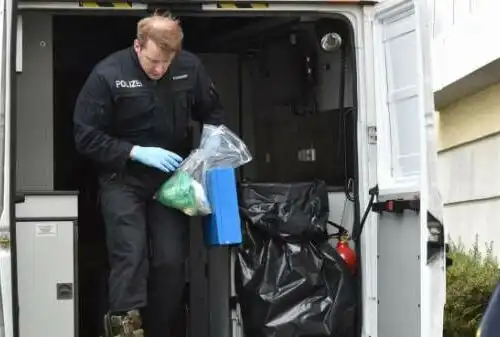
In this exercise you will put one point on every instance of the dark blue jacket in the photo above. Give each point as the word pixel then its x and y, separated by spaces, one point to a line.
pixel 119 106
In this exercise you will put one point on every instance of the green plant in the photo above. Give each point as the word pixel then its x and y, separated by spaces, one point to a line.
pixel 470 282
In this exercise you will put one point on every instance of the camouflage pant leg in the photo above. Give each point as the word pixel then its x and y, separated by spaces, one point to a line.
pixel 129 325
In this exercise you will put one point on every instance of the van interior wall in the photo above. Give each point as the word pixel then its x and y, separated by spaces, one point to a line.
pixel 259 85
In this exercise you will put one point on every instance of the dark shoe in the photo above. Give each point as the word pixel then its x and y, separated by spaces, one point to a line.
pixel 129 325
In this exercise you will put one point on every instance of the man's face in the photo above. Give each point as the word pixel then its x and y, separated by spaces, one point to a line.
pixel 153 61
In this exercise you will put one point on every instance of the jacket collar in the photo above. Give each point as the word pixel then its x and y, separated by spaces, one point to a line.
pixel 135 60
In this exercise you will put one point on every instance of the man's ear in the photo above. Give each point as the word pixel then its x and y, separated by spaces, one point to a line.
pixel 137 45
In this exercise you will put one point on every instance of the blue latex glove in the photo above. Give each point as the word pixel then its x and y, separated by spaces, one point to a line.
pixel 156 157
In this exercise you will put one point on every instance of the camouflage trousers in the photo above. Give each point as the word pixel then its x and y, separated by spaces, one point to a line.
pixel 129 325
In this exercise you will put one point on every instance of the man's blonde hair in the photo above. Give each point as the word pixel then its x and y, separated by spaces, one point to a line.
pixel 162 29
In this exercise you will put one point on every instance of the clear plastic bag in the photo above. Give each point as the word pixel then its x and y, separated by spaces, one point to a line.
pixel 186 190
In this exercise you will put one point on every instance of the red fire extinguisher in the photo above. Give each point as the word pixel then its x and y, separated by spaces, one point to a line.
pixel 346 252
pixel 343 248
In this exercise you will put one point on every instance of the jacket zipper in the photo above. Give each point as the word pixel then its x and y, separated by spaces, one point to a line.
pixel 158 87
pixel 174 105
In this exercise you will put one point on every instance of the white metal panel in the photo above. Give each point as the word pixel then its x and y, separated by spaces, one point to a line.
pixel 367 154
pixel 4 112
pixel 48 206
pixel 6 19
pixel 45 260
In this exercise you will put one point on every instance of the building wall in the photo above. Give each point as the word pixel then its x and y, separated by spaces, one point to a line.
pixel 469 167
pixel 464 34
pixel 470 118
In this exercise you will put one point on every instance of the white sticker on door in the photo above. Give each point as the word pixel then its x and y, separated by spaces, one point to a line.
pixel 46 229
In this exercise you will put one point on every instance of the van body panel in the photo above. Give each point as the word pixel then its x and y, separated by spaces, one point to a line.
pixel 402 289
pixel 8 278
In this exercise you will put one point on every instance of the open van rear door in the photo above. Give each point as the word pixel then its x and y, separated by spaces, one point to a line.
pixel 411 256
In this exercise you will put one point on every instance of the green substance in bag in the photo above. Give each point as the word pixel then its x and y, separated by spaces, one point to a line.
pixel 178 192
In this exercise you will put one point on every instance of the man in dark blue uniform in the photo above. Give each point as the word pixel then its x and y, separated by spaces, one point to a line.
pixel 132 118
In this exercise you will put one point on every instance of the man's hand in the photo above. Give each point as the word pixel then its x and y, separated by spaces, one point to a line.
pixel 157 157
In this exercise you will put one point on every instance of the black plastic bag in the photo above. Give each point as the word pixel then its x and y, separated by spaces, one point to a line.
pixel 289 281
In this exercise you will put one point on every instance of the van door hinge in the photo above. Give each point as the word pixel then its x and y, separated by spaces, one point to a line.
pixel 5 241
pixel 372 135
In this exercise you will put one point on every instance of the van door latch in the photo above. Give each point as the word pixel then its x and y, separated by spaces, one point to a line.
pixel 396 206
pixel 372 135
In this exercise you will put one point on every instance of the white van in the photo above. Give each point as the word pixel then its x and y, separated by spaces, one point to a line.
pixel 334 90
